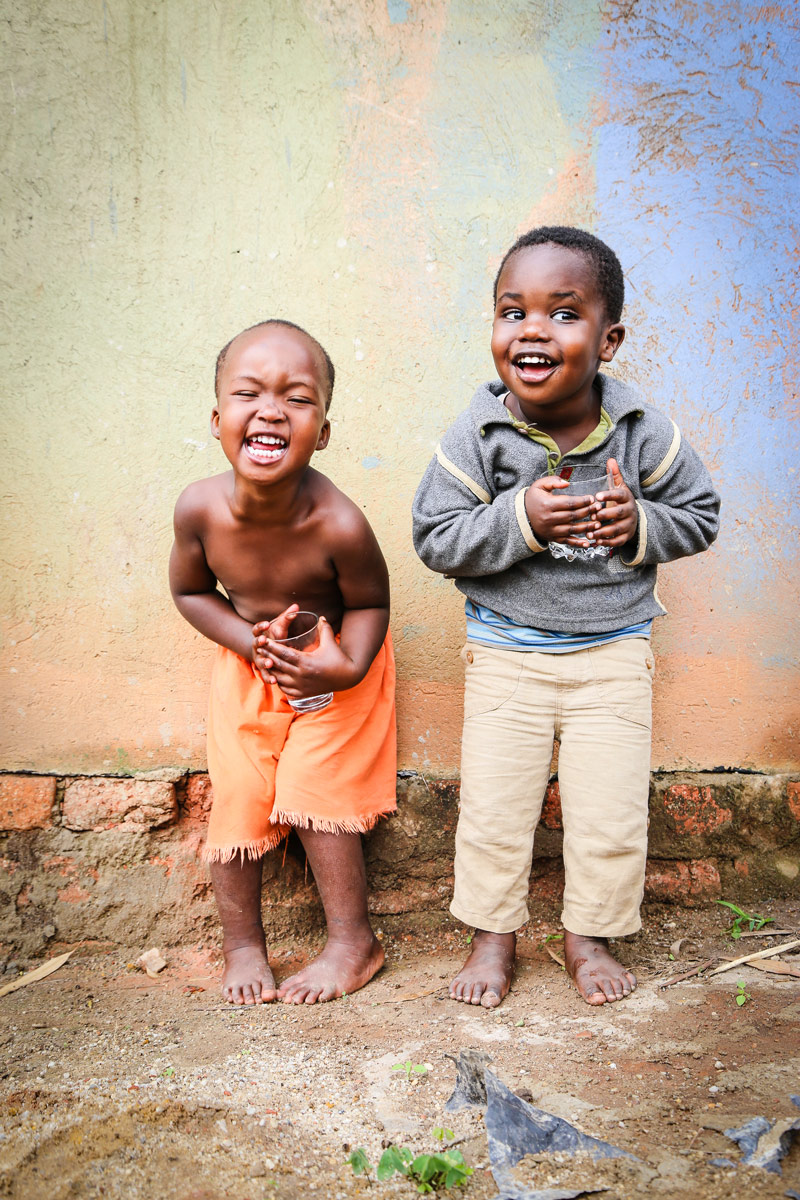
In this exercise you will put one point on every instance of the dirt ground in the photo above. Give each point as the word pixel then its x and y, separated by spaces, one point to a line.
pixel 121 1086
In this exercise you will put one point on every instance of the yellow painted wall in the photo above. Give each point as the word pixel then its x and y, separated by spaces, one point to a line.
pixel 175 171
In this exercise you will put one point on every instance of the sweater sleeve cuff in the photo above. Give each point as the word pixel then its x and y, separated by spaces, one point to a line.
pixel 641 540
pixel 525 525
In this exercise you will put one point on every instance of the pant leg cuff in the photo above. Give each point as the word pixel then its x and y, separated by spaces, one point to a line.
pixel 487 923
pixel 594 927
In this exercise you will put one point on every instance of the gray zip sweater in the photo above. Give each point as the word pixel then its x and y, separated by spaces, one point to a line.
pixel 470 521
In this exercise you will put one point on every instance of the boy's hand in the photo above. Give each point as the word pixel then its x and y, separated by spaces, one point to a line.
pixel 558 518
pixel 301 673
pixel 619 515
pixel 262 632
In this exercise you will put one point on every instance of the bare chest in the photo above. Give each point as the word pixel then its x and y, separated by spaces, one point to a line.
pixel 264 571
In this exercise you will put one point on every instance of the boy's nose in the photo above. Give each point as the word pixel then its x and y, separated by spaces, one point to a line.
pixel 269 409
pixel 533 327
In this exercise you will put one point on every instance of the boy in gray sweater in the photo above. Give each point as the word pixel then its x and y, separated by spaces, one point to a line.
pixel 561 597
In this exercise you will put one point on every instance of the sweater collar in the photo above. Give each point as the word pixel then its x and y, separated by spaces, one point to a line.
pixel 617 398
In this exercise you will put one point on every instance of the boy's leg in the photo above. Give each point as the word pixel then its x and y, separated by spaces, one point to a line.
pixel 247 978
pixel 507 747
pixel 352 953
pixel 604 773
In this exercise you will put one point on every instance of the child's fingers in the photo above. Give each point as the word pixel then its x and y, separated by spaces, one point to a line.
pixel 550 483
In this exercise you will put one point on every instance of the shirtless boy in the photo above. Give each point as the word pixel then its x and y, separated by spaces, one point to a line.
pixel 279 537
pixel 557 648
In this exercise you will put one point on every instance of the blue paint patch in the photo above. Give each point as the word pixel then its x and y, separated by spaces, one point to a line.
pixel 398 11
pixel 697 179
pixel 287 150
pixel 370 463
pixel 112 212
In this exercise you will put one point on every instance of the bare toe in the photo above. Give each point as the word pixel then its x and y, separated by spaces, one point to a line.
pixel 343 967
pixel 597 975
pixel 247 978
pixel 486 975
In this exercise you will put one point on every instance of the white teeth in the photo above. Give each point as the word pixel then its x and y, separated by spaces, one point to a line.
pixel 265 447
pixel 535 360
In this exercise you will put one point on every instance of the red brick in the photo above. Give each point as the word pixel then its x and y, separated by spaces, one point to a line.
pixel 26 801
pixel 128 804
pixel 199 795
pixel 74 894
pixel 793 798
pixel 694 810
pixel 682 882
pixel 551 810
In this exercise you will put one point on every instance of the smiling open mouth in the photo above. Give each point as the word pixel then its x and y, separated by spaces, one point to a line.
pixel 265 447
pixel 533 366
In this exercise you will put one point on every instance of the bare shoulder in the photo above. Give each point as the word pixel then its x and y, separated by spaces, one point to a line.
pixel 345 520
pixel 200 501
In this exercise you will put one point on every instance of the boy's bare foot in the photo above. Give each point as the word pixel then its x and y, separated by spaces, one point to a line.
pixel 595 972
pixel 247 978
pixel 344 966
pixel 486 975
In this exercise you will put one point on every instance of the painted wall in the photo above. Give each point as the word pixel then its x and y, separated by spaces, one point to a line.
pixel 172 172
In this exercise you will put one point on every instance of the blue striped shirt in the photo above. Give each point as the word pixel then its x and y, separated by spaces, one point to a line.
pixel 489 628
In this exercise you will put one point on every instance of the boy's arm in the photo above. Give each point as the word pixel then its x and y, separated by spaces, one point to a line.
pixel 194 586
pixel 364 583
pixel 678 508
pixel 460 530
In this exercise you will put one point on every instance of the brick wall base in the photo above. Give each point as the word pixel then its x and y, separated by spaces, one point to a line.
pixel 116 860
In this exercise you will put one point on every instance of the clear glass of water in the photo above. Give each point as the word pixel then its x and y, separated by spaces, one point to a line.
pixel 582 483
pixel 305 637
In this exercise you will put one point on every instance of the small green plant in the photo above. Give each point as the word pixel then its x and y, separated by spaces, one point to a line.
pixel 428 1172
pixel 753 921
pixel 741 996
pixel 168 1073
pixel 411 1068
pixel 360 1163
pixel 553 937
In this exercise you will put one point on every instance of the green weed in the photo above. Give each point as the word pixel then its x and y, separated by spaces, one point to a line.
pixel 741 996
pixel 411 1068
pixel 428 1172
pixel 753 920
pixel 360 1163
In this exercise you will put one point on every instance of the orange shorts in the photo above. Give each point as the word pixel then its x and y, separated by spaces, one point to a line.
pixel 271 768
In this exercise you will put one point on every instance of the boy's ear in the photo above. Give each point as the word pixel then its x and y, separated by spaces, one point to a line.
pixel 324 436
pixel 615 336
pixel 215 422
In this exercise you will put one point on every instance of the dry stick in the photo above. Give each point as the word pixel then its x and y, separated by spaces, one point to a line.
pixel 39 973
pixel 738 962
pixel 765 932
pixel 688 974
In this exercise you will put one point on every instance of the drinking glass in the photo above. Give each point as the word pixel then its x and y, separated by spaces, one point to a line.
pixel 581 484
pixel 305 637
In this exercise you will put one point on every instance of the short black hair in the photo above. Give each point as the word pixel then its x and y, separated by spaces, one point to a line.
pixel 608 270
pixel 223 354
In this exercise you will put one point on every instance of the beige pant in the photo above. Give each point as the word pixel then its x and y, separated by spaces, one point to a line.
pixel 597 702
